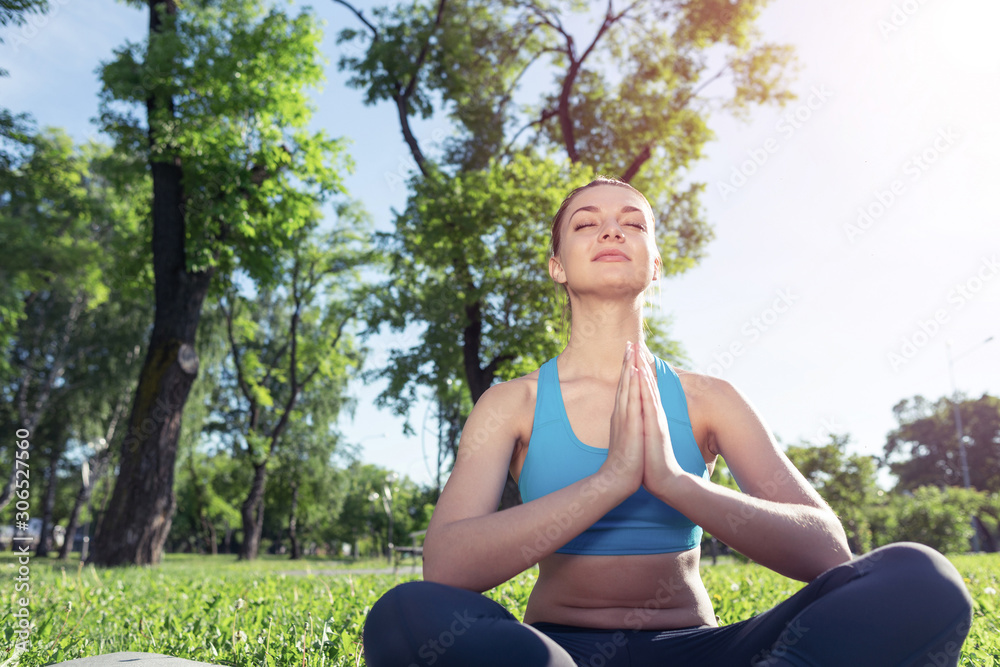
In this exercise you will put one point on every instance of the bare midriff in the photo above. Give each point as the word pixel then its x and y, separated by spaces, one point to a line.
pixel 636 592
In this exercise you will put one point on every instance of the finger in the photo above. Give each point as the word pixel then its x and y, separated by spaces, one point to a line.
pixel 634 408
pixel 652 372
pixel 649 402
pixel 623 377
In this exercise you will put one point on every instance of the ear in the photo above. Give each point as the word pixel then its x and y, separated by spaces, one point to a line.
pixel 656 269
pixel 556 271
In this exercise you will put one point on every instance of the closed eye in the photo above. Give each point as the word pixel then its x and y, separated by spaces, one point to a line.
pixel 581 225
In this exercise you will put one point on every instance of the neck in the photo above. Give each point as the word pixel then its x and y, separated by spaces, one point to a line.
pixel 599 331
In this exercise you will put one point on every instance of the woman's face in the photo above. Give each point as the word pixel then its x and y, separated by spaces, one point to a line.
pixel 606 243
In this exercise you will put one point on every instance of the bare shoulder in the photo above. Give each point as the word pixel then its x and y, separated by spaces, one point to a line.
pixel 489 439
pixel 512 393
pixel 502 414
pixel 512 399
pixel 711 401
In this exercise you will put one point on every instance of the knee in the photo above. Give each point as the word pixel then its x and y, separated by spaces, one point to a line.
pixel 921 571
pixel 387 636
pixel 396 604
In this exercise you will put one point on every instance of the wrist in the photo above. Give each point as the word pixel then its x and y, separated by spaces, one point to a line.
pixel 615 480
pixel 674 489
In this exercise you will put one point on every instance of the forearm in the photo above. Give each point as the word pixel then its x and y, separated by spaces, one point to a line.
pixel 798 541
pixel 479 553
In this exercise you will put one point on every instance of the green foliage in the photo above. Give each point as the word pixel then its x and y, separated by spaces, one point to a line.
pixel 468 252
pixel 218 611
pixel 209 489
pixel 74 295
pixel 291 344
pixel 56 224
pixel 362 520
pixel 939 518
pixel 284 382
pixel 231 81
pixel 12 11
pixel 923 449
pixel 846 481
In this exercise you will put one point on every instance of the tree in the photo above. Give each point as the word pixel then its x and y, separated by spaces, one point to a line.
pixel 923 449
pixel 308 489
pixel 937 517
pixel 627 100
pixel 846 481
pixel 292 353
pixel 61 216
pixel 209 489
pixel 234 176
pixel 363 516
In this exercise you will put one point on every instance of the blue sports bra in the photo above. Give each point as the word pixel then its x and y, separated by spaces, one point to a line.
pixel 556 458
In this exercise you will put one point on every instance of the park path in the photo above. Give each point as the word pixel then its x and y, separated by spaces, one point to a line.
pixel 403 569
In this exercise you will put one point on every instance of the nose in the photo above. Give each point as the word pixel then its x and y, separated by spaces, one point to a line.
pixel 612 231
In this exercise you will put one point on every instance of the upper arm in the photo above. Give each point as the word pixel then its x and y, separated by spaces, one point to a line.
pixel 488 439
pixel 753 456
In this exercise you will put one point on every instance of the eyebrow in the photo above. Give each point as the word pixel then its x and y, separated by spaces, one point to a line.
pixel 595 209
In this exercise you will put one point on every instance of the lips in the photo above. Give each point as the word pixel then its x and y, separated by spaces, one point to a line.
pixel 611 256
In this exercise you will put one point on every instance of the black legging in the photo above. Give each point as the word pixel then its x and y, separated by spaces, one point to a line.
pixel 902 604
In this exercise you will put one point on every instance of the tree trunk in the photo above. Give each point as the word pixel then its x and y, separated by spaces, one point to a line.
pixel 253 513
pixel 45 539
pixel 293 523
pixel 138 517
pixel 135 526
pixel 211 535
pixel 82 496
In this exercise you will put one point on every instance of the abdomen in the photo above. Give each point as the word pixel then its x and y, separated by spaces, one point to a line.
pixel 649 592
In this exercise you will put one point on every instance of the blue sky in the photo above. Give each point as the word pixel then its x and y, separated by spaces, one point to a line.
pixel 856 230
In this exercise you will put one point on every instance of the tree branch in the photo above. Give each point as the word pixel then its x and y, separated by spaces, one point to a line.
pixel 546 115
pixel 647 151
pixel 422 56
pixel 361 17
pixel 237 362
pixel 403 95
pixel 575 64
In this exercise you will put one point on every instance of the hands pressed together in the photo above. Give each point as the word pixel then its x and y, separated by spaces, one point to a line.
pixel 640 451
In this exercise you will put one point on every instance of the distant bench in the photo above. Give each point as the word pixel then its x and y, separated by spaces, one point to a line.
pixel 414 551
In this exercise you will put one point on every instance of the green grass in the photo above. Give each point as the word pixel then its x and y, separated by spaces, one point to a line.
pixel 220 611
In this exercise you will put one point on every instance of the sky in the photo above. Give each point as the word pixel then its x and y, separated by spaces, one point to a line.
pixel 856 229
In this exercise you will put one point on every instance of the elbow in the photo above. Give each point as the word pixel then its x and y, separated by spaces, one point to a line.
pixel 451 575
pixel 434 569
pixel 834 552
pixel 440 564
pixel 443 565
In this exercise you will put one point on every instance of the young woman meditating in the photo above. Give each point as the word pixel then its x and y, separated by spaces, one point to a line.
pixel 612 450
